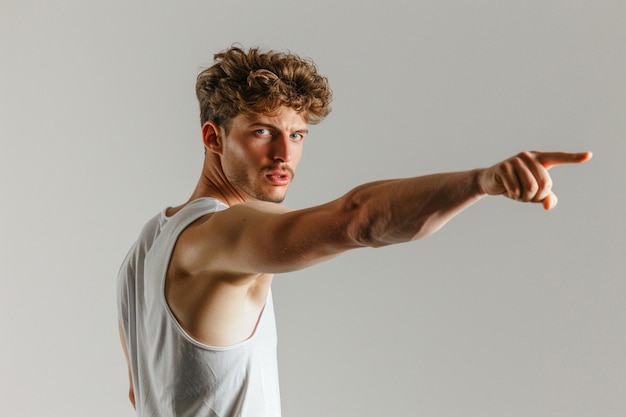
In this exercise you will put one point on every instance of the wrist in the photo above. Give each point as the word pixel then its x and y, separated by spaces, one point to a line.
pixel 477 181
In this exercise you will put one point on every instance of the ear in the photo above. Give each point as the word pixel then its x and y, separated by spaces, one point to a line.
pixel 212 137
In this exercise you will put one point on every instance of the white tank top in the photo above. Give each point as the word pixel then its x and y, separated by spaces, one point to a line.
pixel 173 374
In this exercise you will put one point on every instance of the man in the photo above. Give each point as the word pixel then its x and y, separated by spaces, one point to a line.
pixel 196 314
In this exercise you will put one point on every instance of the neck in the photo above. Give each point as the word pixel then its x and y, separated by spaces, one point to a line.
pixel 212 183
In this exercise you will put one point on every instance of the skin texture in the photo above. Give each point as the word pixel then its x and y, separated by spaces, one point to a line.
pixel 250 170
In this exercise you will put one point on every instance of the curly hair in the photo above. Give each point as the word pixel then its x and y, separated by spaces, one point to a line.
pixel 255 82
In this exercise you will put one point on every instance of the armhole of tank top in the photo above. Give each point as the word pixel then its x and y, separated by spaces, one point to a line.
pixel 178 328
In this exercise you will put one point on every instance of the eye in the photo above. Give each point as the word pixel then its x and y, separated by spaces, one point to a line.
pixel 296 136
pixel 262 132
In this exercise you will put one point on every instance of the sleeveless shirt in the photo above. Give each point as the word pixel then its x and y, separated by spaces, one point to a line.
pixel 173 374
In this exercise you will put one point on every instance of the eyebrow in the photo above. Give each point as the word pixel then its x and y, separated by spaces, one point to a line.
pixel 276 128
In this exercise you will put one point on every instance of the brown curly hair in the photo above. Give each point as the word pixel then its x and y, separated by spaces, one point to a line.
pixel 255 82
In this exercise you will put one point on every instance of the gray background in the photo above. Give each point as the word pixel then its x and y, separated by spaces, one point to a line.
pixel 508 311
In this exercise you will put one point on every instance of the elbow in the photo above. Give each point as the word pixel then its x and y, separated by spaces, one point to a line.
pixel 360 235
pixel 374 236
pixel 381 225
pixel 364 231
pixel 359 226
pixel 363 237
pixel 374 229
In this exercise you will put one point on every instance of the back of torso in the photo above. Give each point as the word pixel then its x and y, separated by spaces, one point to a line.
pixel 173 372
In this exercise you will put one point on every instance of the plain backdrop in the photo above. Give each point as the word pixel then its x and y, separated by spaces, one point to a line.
pixel 508 311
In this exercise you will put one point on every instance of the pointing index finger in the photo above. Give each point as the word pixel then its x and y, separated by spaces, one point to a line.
pixel 550 159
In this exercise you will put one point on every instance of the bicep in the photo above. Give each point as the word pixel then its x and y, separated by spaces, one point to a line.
pixel 269 238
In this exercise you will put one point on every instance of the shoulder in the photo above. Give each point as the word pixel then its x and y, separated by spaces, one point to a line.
pixel 219 241
pixel 239 219
pixel 255 208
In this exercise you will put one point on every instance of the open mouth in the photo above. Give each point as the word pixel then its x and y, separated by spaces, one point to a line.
pixel 278 178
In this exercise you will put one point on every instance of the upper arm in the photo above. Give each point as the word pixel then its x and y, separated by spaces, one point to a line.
pixel 131 389
pixel 267 238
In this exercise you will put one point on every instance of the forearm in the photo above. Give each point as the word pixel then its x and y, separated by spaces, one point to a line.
pixel 395 211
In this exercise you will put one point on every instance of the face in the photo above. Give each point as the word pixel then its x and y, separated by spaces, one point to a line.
pixel 261 153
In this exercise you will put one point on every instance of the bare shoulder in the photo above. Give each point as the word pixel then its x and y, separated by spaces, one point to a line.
pixel 252 210
pixel 228 227
pixel 208 244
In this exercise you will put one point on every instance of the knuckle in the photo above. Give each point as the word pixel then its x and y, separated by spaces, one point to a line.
pixel 545 182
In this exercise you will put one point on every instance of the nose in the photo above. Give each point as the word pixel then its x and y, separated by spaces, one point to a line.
pixel 281 148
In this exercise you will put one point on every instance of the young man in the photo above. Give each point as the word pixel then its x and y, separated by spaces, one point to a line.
pixel 196 315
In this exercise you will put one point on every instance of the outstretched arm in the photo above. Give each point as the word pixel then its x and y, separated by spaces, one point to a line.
pixel 408 209
pixel 264 237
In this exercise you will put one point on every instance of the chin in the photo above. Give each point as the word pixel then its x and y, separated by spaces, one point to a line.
pixel 271 197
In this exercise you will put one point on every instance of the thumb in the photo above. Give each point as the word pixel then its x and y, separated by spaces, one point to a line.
pixel 550 201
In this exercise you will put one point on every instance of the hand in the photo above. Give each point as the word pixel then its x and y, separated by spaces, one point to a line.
pixel 525 177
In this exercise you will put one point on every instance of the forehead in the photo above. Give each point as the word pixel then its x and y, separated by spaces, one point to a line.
pixel 285 118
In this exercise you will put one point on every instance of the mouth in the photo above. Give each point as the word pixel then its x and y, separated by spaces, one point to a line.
pixel 279 176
